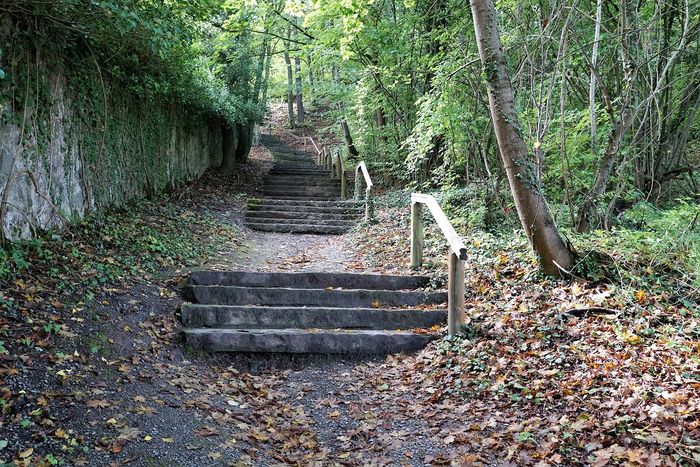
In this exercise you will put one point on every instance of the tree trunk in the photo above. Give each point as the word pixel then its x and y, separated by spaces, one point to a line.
pixel 380 121
pixel 311 71
pixel 297 72
pixel 594 63
pixel 290 81
pixel 352 150
pixel 530 203
pixel 628 112
pixel 229 147
pixel 257 88
pixel 268 62
pixel 245 141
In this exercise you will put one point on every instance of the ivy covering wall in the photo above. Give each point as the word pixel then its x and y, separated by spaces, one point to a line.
pixel 102 102
pixel 73 141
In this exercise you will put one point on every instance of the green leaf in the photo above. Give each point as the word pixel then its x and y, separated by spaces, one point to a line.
pixel 3 442
pixel 2 74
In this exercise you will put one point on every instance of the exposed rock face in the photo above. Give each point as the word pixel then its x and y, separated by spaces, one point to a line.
pixel 69 146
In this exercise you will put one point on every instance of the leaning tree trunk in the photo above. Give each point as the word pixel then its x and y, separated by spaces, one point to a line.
pixel 349 143
pixel 352 150
pixel 297 73
pixel 530 203
pixel 290 81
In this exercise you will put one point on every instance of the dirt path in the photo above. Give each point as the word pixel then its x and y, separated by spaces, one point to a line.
pixel 117 387
pixel 266 251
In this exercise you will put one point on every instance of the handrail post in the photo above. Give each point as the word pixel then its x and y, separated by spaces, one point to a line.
pixel 358 184
pixel 369 204
pixel 455 295
pixel 338 165
pixel 417 235
pixel 343 183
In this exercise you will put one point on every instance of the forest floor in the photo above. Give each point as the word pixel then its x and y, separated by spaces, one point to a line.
pixel 93 370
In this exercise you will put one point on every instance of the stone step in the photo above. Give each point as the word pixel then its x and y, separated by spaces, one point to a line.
pixel 300 173
pixel 287 185
pixel 360 342
pixel 288 190
pixel 293 157
pixel 280 216
pixel 301 181
pixel 275 296
pixel 347 224
pixel 286 202
pixel 303 197
pixel 298 228
pixel 257 317
pixel 298 170
pixel 292 160
pixel 309 280
pixel 352 211
pixel 309 164
pixel 302 169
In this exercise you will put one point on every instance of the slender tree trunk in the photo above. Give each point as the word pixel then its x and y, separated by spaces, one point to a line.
pixel 297 75
pixel 257 88
pixel 268 62
pixel 349 143
pixel 628 112
pixel 594 63
pixel 530 203
pixel 290 81
pixel 380 121
pixel 311 71
pixel 352 150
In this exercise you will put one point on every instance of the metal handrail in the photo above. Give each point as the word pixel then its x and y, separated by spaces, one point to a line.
pixel 369 202
pixel 457 256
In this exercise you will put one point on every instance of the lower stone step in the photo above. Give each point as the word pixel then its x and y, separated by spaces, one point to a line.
pixel 303 221
pixel 271 201
pixel 309 280
pixel 315 341
pixel 261 317
pixel 285 190
pixel 297 228
pixel 311 217
pixel 303 197
pixel 277 296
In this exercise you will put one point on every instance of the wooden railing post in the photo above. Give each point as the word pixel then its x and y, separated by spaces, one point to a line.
pixel 417 239
pixel 369 204
pixel 456 260
pixel 358 184
pixel 338 165
pixel 343 184
pixel 455 295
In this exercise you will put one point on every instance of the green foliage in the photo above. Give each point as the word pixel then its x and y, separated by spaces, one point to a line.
pixel 652 246
pixel 152 48
pixel 106 248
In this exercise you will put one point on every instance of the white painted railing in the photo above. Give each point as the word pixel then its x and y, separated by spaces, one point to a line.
pixel 457 256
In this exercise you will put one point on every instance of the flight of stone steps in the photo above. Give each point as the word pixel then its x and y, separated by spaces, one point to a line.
pixel 299 196
pixel 309 312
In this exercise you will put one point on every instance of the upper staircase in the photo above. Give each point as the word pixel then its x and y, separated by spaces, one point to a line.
pixel 299 196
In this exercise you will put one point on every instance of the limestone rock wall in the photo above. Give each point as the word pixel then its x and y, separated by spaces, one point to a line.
pixel 71 143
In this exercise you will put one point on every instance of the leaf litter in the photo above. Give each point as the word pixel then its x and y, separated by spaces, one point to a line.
pixel 105 381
